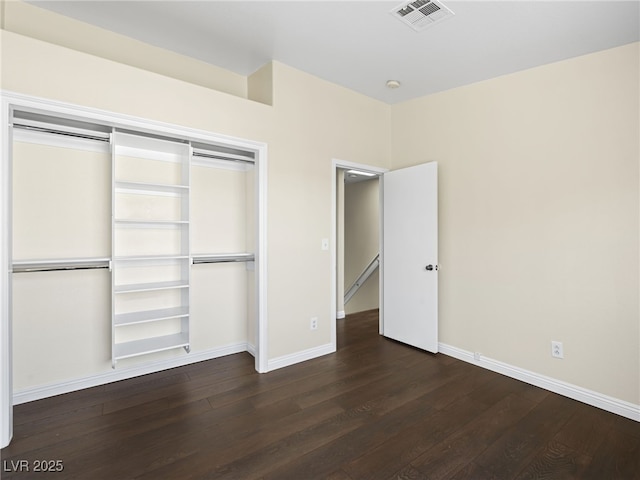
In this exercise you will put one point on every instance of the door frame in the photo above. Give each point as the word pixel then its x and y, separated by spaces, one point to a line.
pixel 11 100
pixel 335 166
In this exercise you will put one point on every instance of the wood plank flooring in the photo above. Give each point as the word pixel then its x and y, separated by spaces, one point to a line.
pixel 376 409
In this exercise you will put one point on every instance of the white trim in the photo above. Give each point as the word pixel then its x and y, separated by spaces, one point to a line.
pixel 303 356
pixel 381 258
pixel 262 334
pixel 599 400
pixel 341 314
pixel 120 120
pixel 335 165
pixel 6 365
pixel 334 253
pixel 338 163
pixel 31 394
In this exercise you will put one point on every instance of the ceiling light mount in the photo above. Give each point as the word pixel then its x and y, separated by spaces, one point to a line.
pixel 393 84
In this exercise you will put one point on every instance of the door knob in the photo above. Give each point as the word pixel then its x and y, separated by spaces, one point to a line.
pixel 431 267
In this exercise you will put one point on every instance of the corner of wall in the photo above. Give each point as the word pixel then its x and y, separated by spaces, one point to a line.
pixel 2 8
pixel 260 85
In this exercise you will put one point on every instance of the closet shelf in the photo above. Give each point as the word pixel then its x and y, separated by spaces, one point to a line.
pixel 151 345
pixel 149 188
pixel 124 319
pixel 150 223
pixel 149 287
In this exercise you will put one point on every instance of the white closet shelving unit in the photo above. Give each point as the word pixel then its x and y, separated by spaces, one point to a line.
pixel 151 260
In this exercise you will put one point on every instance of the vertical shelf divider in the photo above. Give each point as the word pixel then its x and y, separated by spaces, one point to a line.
pixel 151 257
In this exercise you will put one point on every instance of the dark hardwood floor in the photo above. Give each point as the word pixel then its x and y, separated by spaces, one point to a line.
pixel 374 410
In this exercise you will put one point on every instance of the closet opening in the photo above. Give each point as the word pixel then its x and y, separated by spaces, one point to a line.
pixel 129 246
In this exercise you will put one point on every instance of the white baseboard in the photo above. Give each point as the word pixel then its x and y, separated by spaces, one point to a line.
pixel 340 314
pixel 287 360
pixel 610 404
pixel 37 393
pixel 251 348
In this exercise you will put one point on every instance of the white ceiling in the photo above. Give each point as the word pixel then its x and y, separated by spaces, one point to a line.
pixel 360 45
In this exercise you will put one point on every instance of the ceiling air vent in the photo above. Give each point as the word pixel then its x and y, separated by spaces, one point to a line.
pixel 421 14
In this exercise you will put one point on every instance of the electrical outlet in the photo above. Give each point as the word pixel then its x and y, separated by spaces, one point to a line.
pixel 314 323
pixel 556 349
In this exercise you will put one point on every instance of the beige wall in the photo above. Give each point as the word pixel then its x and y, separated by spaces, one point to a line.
pixel 539 212
pixel 362 242
pixel 314 122
pixel 19 17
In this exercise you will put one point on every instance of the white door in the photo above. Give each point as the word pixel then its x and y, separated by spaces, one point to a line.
pixel 410 256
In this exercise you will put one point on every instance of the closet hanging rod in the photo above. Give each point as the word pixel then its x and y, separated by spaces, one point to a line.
pixel 59 265
pixel 85 136
pixel 223 157
pixel 241 257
